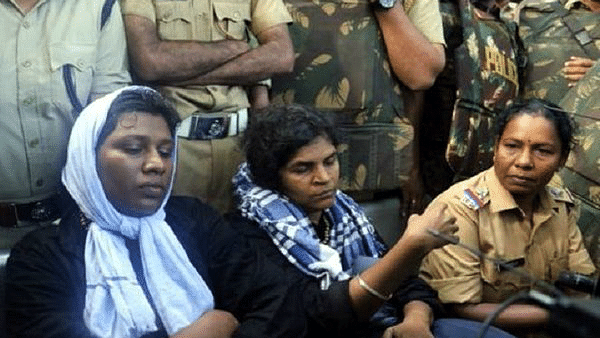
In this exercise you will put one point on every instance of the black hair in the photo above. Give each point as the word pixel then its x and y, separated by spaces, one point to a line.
pixel 139 99
pixel 276 134
pixel 565 127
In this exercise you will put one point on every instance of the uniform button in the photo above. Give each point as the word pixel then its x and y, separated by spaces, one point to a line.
pixel 26 24
pixel 39 182
pixel 236 15
pixel 26 64
pixel 34 143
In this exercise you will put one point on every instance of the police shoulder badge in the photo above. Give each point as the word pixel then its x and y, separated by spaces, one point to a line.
pixel 561 194
pixel 475 199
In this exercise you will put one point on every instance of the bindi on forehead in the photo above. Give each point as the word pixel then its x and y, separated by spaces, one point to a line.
pixel 128 120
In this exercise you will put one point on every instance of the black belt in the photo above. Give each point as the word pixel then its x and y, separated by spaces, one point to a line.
pixel 45 210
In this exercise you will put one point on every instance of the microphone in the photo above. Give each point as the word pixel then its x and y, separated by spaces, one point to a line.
pixel 570 317
pixel 578 282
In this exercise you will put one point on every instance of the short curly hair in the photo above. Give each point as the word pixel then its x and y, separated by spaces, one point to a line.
pixel 275 135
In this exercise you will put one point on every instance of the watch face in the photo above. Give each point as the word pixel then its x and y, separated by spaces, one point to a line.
pixel 387 3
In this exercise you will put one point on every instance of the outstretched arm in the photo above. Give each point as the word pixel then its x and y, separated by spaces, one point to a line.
pixel 403 259
pixel 414 59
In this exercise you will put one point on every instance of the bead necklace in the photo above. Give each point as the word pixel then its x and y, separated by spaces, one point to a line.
pixel 326 230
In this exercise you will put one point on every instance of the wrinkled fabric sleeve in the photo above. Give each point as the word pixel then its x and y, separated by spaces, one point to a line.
pixel 42 298
pixel 143 8
pixel 427 18
pixel 329 310
pixel 268 13
pixel 242 280
pixel 45 281
pixel 452 270
pixel 111 71
pixel 579 258
pixel 321 313
pixel 417 289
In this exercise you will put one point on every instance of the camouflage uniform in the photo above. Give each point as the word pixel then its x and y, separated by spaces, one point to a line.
pixel 553 31
pixel 342 69
pixel 546 28
pixel 582 171
pixel 488 80
pixel 438 106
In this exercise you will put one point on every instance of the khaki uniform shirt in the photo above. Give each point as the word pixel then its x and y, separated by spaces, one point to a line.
pixel 36 114
pixel 489 220
pixel 208 21
pixel 426 16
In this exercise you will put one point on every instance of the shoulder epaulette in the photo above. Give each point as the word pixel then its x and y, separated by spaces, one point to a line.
pixel 475 199
pixel 561 194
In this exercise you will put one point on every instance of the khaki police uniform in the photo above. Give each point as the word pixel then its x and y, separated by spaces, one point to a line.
pixel 490 220
pixel 53 63
pixel 205 167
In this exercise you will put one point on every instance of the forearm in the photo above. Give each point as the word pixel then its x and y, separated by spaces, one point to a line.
pixel 418 311
pixel 401 262
pixel 416 289
pixel 212 324
pixel 273 56
pixel 414 60
pixel 516 316
pixel 168 61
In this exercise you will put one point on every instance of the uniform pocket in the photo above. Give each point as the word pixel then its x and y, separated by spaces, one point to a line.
pixel 72 66
pixel 381 156
pixel 230 20
pixel 174 20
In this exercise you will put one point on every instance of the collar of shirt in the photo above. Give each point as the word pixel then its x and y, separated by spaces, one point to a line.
pixel 501 199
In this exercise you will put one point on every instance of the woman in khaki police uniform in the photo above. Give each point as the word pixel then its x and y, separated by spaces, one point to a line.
pixel 509 212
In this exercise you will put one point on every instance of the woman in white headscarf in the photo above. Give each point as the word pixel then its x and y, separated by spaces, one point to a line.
pixel 126 260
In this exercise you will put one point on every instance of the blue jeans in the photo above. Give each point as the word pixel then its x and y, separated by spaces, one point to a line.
pixel 464 328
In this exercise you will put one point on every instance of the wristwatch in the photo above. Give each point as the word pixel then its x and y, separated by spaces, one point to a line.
pixel 383 4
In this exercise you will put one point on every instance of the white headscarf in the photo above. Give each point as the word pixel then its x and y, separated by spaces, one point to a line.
pixel 115 304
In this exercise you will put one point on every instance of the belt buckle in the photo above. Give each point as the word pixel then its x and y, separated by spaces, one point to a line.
pixel 217 125
pixel 209 128
pixel 41 211
pixel 15 215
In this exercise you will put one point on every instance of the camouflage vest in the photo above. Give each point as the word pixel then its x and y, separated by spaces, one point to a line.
pixel 342 69
pixel 582 171
pixel 551 34
pixel 487 81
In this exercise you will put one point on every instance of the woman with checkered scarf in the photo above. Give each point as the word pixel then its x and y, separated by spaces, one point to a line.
pixel 288 203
